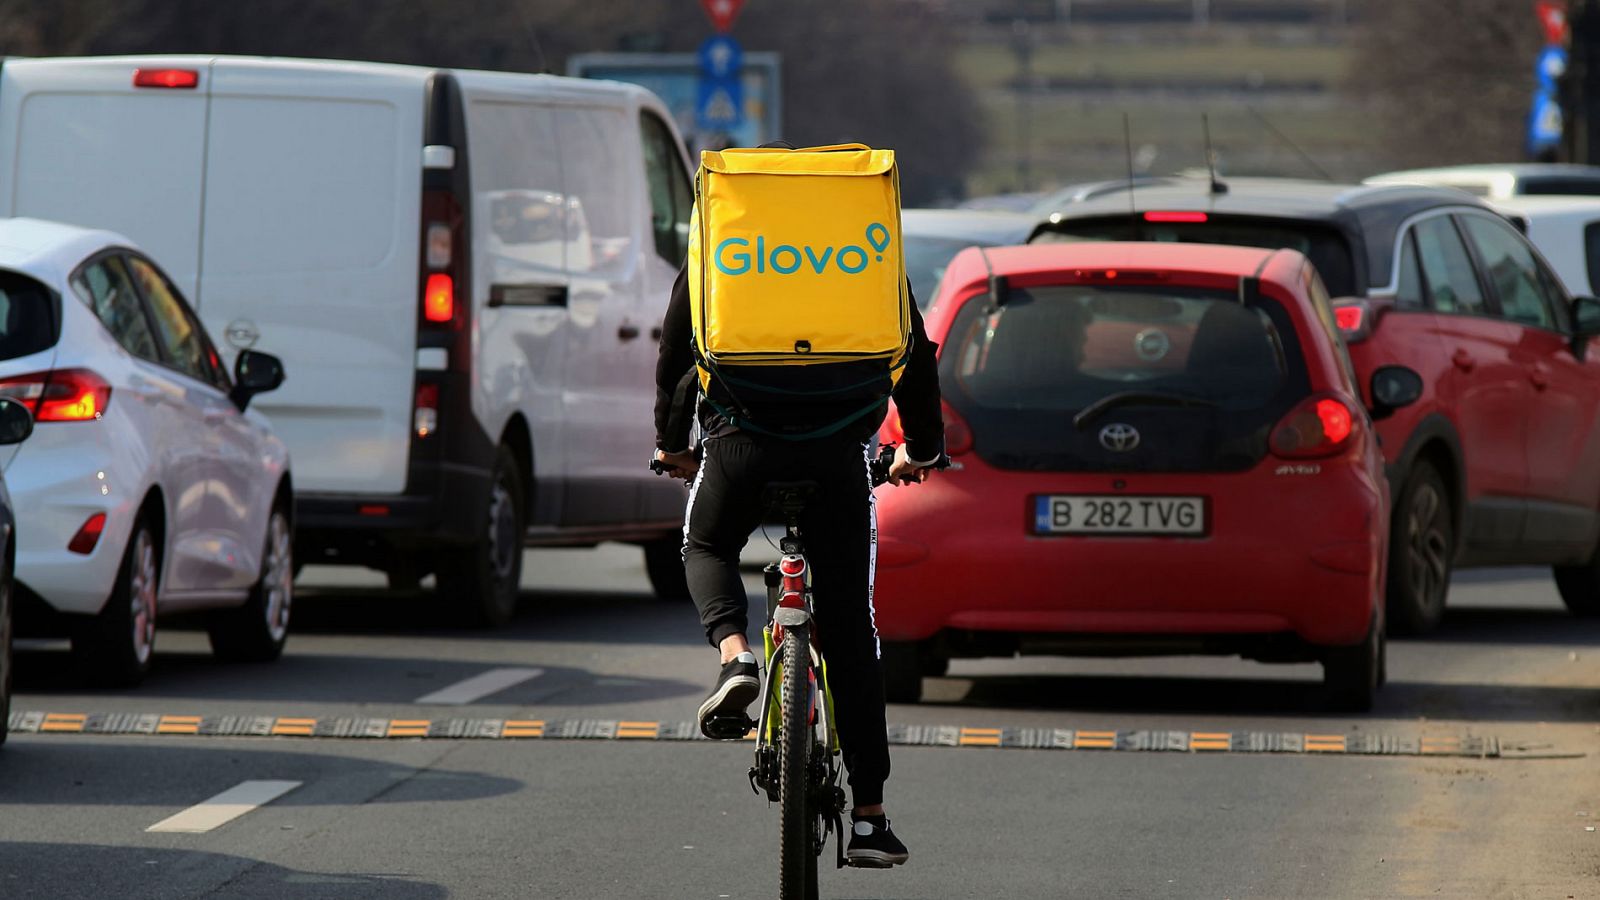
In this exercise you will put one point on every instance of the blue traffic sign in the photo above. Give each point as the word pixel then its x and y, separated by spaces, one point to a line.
pixel 1544 124
pixel 720 57
pixel 1552 65
pixel 719 104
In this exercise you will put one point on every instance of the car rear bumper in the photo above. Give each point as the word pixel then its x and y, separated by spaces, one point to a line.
pixel 1306 563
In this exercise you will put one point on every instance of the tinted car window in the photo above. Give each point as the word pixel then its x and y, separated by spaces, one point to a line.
pixel 1409 293
pixel 1325 247
pixel 1450 284
pixel 176 331
pixel 1537 185
pixel 1513 270
pixel 670 197
pixel 106 288
pixel 1203 375
pixel 30 320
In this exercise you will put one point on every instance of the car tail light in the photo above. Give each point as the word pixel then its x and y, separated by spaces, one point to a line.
pixel 88 535
pixel 957 433
pixel 439 298
pixel 166 78
pixel 62 395
pixel 1354 318
pixel 1180 215
pixel 1321 426
pixel 426 418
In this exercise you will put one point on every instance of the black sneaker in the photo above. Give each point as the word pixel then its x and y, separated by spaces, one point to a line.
pixel 874 846
pixel 737 686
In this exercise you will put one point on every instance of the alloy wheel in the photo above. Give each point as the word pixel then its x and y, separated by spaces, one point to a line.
pixel 279 581
pixel 504 542
pixel 142 595
pixel 1427 547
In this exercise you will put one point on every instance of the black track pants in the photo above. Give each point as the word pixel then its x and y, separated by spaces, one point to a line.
pixel 840 532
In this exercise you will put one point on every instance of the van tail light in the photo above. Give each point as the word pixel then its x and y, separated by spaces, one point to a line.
pixel 62 395
pixel 88 535
pixel 1321 426
pixel 426 418
pixel 441 273
pixel 166 78
pixel 957 433
pixel 439 298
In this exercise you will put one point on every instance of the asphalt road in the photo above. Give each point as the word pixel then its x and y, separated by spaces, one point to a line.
pixel 1510 673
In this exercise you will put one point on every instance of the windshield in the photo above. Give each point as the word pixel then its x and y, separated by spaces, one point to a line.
pixel 1325 247
pixel 30 319
pixel 926 260
pixel 1203 375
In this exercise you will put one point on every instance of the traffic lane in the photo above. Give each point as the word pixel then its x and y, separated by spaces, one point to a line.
pixel 569 820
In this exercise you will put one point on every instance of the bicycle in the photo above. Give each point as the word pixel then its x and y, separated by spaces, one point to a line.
pixel 797 759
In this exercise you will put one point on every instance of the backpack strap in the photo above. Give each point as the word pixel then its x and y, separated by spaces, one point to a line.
pixel 825 431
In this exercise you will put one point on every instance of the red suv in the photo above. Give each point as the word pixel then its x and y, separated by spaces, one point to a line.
pixel 1499 462
pixel 1156 449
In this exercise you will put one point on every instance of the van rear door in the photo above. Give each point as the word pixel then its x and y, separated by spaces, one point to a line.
pixel 89 147
pixel 312 198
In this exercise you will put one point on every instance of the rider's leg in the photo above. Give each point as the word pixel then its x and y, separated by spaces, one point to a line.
pixel 841 540
pixel 723 510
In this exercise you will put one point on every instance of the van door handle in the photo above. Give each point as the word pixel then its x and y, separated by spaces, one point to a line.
pixel 1463 361
pixel 655 333
pixel 627 332
pixel 1540 376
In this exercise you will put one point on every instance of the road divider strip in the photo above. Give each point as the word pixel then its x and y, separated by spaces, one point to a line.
pixel 224 807
pixel 1469 745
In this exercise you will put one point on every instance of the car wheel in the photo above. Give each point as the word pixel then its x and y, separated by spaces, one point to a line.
pixel 1580 587
pixel 116 646
pixel 1352 675
pixel 663 562
pixel 257 631
pixel 902 671
pixel 5 652
pixel 1421 552
pixel 482 580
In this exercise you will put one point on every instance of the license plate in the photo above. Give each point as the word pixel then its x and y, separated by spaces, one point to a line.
pixel 1106 514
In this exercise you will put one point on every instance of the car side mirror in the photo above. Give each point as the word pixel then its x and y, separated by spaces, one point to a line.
pixel 1394 387
pixel 254 373
pixel 16 423
pixel 1585 324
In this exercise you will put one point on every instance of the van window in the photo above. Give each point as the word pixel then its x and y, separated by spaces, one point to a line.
pixel 670 197
pixel 596 159
pixel 300 185
pixel 104 287
pixel 517 198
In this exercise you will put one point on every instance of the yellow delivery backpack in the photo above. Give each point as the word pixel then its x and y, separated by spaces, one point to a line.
pixel 797 286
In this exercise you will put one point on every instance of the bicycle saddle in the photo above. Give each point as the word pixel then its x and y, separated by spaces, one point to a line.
pixel 789 496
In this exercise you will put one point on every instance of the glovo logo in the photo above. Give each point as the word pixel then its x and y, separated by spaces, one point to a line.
pixel 733 256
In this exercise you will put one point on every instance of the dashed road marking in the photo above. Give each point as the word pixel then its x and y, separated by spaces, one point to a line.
pixel 224 807
pixel 1185 741
pixel 479 686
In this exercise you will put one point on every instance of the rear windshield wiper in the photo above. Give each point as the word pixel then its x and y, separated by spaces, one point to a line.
pixel 1138 398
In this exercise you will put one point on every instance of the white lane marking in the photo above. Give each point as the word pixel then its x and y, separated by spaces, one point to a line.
pixel 225 807
pixel 479 686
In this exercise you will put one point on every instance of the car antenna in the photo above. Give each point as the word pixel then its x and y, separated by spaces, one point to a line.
pixel 1127 146
pixel 1217 187
pixel 1304 156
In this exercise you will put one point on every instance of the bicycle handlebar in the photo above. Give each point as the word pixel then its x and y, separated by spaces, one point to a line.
pixel 879 467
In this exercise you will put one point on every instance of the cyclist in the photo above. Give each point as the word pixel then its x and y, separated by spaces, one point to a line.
pixel 841 534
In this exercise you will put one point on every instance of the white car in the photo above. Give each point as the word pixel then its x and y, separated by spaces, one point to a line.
pixel 1567 231
pixel 1497 181
pixel 465 271
pixel 147 486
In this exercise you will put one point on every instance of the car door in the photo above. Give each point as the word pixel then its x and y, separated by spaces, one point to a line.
pixel 670 200
pixel 208 550
pixel 608 398
pixel 1560 433
pixel 1485 385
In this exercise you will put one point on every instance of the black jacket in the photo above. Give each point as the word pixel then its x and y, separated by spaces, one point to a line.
pixel 916 396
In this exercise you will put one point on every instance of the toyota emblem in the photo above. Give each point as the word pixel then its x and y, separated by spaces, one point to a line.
pixel 1119 438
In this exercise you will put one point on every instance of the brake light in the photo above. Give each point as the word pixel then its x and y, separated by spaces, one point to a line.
pixel 88 535
pixel 1355 319
pixel 1174 216
pixel 1116 274
pixel 426 418
pixel 166 78
pixel 1321 426
pixel 439 298
pixel 63 395
pixel 1349 318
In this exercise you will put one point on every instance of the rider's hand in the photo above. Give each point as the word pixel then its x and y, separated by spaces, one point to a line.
pixel 679 465
pixel 901 471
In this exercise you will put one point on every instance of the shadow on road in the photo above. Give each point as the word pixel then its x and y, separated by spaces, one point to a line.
pixel 59 871
pixel 145 772
pixel 1505 625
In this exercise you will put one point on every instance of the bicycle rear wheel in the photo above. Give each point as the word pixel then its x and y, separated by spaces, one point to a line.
pixel 797 860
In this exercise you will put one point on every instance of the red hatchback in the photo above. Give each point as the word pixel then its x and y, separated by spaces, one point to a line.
pixel 1157 449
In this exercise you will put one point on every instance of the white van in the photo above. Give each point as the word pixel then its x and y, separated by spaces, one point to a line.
pixel 464 273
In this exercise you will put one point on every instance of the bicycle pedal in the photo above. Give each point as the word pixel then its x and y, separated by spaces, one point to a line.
pixel 726 728
pixel 868 864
